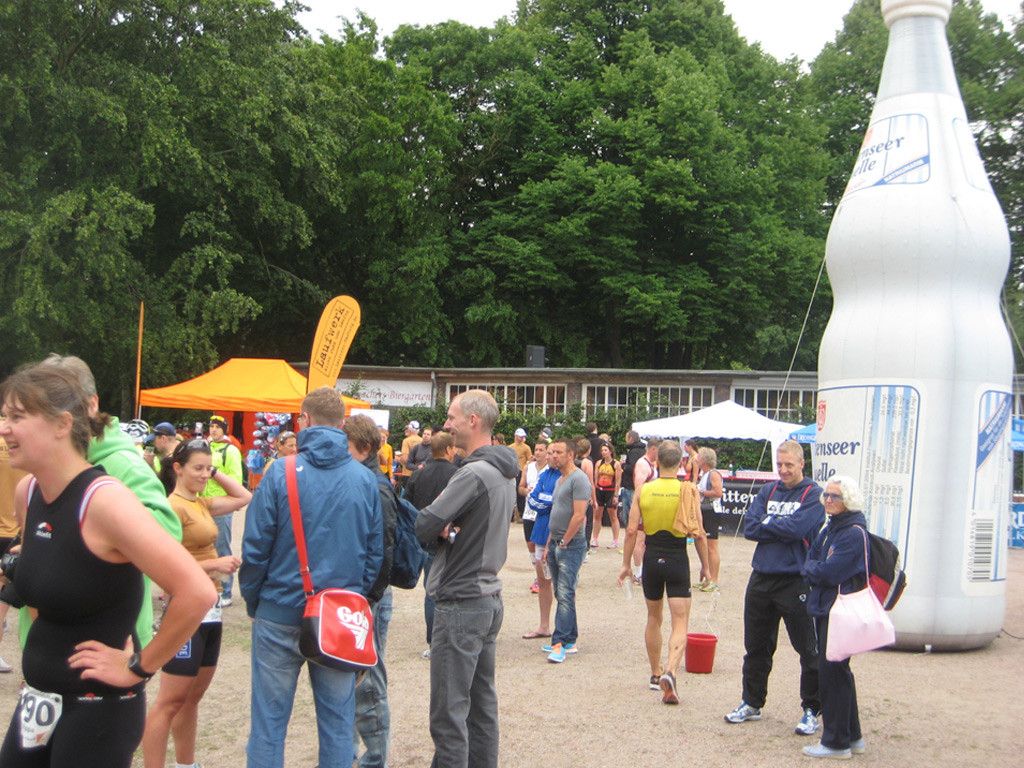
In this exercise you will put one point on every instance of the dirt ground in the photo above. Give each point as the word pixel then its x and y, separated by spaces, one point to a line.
pixel 596 710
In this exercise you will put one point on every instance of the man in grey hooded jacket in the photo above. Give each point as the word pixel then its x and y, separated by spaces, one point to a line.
pixel 468 525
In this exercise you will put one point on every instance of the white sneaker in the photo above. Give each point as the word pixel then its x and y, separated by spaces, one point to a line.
pixel 820 750
pixel 743 713
pixel 808 724
pixel 5 667
pixel 225 602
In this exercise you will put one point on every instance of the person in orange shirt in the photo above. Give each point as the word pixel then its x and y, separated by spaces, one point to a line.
pixel 9 478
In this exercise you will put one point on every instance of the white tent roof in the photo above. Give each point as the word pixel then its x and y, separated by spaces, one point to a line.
pixel 725 421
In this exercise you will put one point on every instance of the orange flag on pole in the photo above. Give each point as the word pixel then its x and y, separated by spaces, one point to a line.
pixel 334 334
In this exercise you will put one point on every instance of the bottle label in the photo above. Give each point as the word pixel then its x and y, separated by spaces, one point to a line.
pixel 896 150
pixel 870 432
pixel 985 536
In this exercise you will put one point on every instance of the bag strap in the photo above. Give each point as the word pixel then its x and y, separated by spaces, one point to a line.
pixel 776 487
pixel 867 566
pixel 292 483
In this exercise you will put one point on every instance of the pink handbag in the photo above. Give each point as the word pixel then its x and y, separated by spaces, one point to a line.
pixel 857 622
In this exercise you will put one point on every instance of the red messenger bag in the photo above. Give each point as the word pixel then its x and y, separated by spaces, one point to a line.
pixel 337 625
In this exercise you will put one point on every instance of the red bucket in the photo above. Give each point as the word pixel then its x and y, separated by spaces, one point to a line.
pixel 700 653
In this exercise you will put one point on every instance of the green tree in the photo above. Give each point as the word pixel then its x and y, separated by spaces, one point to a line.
pixel 124 131
pixel 639 182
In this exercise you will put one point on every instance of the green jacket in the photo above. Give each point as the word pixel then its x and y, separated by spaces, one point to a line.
pixel 227 459
pixel 120 459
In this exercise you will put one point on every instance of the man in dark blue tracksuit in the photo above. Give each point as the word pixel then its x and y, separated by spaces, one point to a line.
pixel 784 519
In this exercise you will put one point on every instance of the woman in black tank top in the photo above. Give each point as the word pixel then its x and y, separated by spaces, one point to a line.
pixel 86 541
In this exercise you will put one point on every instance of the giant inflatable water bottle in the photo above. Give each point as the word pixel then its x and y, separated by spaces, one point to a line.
pixel 915 367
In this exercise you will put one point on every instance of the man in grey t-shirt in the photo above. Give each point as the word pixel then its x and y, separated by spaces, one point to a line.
pixel 567 544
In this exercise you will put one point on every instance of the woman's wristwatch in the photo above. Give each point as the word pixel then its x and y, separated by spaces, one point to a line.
pixel 135 667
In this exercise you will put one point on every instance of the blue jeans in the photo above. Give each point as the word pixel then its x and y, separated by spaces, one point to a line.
pixel 463 699
pixel 276 662
pixel 223 546
pixel 373 715
pixel 565 574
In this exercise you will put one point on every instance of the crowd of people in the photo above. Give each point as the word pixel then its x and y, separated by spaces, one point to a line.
pixel 80 492
pixel 797 567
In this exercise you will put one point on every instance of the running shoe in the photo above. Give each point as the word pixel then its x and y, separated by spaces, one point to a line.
pixel 5 667
pixel 557 655
pixel 742 713
pixel 655 682
pixel 708 587
pixel 668 685
pixel 567 647
pixel 858 747
pixel 613 545
pixel 820 750
pixel 535 587
pixel 808 724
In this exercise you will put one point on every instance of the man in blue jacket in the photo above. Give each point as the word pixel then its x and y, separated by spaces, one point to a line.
pixel 341 517
pixel 784 519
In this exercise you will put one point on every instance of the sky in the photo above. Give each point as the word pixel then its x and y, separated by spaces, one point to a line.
pixel 783 27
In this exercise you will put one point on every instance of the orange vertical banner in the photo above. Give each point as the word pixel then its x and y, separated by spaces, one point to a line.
pixel 338 325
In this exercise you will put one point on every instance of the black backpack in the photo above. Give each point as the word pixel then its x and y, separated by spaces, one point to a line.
pixel 222 449
pixel 409 557
pixel 885 574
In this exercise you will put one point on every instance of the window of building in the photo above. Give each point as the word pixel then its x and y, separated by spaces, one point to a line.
pixel 661 401
pixel 519 398
pixel 793 405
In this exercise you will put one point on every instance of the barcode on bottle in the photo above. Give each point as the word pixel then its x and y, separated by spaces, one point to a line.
pixel 980 554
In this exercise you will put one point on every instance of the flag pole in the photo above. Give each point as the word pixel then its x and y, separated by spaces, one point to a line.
pixel 138 362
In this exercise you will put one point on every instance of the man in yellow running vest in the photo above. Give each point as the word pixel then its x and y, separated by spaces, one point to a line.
pixel 666 566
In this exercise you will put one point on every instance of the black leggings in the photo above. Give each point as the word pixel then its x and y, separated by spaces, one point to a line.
pixel 96 733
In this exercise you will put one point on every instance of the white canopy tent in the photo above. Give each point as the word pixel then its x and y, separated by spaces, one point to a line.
pixel 724 421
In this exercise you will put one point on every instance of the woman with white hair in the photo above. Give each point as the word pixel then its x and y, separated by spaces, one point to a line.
pixel 837 562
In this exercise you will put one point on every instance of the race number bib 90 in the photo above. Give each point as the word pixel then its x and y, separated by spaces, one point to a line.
pixel 38 713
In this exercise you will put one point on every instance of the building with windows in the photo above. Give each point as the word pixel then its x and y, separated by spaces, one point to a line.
pixel 552 390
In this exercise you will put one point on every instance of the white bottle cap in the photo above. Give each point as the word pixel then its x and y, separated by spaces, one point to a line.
pixel 893 10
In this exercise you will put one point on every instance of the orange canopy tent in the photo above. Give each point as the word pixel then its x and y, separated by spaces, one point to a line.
pixel 241 384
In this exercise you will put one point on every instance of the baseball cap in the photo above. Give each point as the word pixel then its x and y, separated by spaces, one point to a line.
pixel 546 432
pixel 520 432
pixel 413 425
pixel 163 428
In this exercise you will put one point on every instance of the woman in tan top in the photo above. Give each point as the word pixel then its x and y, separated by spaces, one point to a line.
pixel 185 678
